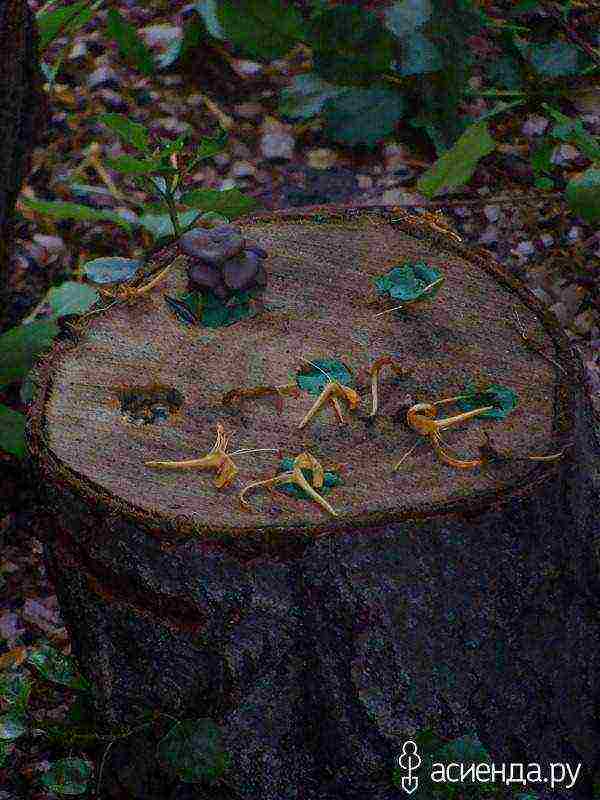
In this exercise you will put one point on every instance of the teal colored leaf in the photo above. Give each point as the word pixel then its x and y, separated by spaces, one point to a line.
pixel 457 165
pixel 12 726
pixel 132 47
pixel 21 346
pixel 419 56
pixel 27 390
pixel 330 479
pixel 64 210
pixel 313 381
pixel 261 29
pixel 552 60
pixel 133 133
pixel 406 16
pixel 5 751
pixel 15 689
pixel 503 399
pixel 215 314
pixel 210 146
pixel 583 195
pixel 57 667
pixel 193 751
pixel 408 282
pixel 68 776
pixel 541 158
pixel 12 431
pixel 307 95
pixel 129 165
pixel 231 202
pixel 52 24
pixel 363 116
pixel 187 308
pixel 111 269
pixel 572 130
pixel 208 11
pixel 504 72
pixel 71 297
pixel 350 46
pixel 161 225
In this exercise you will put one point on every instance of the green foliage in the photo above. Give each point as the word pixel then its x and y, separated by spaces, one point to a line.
pixel 266 29
pixel 350 46
pixel 330 479
pixel 313 379
pixel 193 751
pixel 503 399
pixel 363 116
pixel 131 47
pixel 210 310
pixel 456 166
pixel 21 346
pixel 63 210
pixel 69 776
pixel 111 269
pixel 409 281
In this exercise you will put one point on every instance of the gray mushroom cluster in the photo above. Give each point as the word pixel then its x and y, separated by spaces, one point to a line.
pixel 223 261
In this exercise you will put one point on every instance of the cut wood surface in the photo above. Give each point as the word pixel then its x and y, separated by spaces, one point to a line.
pixel 320 273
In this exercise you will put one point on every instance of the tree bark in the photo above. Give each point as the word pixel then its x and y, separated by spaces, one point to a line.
pixel 440 598
pixel 23 110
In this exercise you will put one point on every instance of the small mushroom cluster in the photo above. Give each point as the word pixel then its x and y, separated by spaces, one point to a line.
pixel 223 261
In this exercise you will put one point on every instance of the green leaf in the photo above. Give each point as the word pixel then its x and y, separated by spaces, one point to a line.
pixel 57 667
pixel 68 776
pixel 21 346
pixel 111 269
pixel 63 210
pixel 552 60
pixel 408 282
pixel 71 297
pixel 12 432
pixel 330 479
pixel 161 225
pixel 209 147
pixel 208 11
pixel 52 24
pixel 231 202
pixel 262 29
pixel 503 399
pixel 193 751
pixel 404 18
pixel 15 689
pixel 572 130
pixel 313 381
pixel 419 56
pixel 350 46
pixel 215 314
pixel 12 726
pixel 132 133
pixel 133 166
pixel 131 47
pixel 457 165
pixel 583 195
pixel 307 95
pixel 363 116
pixel 503 71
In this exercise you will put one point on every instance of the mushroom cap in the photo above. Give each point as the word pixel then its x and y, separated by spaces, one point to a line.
pixel 255 248
pixel 240 272
pixel 213 245
pixel 204 275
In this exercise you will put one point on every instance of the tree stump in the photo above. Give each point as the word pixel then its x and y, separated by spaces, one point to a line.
pixel 463 599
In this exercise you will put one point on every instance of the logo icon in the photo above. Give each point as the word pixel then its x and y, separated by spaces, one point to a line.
pixel 410 761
